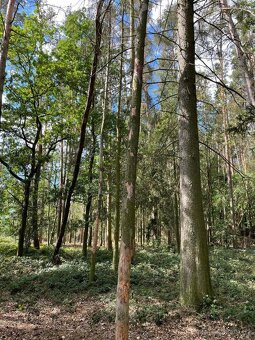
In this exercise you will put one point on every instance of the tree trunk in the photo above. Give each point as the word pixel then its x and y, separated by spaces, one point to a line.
pixel 89 196
pixel 132 36
pixel 61 186
pixel 242 56
pixel 101 165
pixel 228 151
pixel 118 155
pixel 176 211
pixel 109 213
pixel 90 95
pixel 35 203
pixel 4 48
pixel 229 172
pixel 209 194
pixel 25 207
pixel 132 69
pixel 195 281
pixel 128 209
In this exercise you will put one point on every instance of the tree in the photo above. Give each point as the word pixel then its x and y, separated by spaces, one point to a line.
pixel 25 112
pixel 195 281
pixel 128 209
pixel 244 61
pixel 5 46
pixel 118 152
pixel 99 23
pixel 90 193
pixel 101 160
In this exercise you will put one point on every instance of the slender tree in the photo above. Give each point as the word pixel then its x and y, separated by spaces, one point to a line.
pixel 5 46
pixel 128 209
pixel 194 269
pixel 109 211
pixel 243 58
pixel 101 162
pixel 35 202
pixel 90 95
pixel 90 193
pixel 118 152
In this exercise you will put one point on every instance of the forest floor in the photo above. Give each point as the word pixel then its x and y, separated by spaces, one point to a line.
pixel 42 301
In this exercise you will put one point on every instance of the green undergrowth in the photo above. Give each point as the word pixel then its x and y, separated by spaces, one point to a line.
pixel 233 273
pixel 154 282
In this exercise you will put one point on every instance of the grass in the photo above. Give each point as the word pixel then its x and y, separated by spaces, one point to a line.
pixel 154 282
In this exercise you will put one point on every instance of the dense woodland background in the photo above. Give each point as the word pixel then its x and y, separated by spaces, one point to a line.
pixel 69 111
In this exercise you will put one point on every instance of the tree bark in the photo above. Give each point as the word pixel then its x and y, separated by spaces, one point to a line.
pixel 118 155
pixel 99 23
pixel 176 211
pixel 128 209
pixel 22 230
pixel 35 203
pixel 195 281
pixel 228 152
pixel 229 171
pixel 109 213
pixel 90 195
pixel 101 164
pixel 242 56
pixel 4 48
pixel 132 69
pixel 132 36
pixel 61 186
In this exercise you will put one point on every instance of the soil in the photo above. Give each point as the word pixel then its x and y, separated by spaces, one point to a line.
pixel 47 321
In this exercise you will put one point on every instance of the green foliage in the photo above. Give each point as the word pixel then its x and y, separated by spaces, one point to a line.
pixel 7 246
pixel 153 313
pixel 233 276
pixel 154 283
pixel 105 315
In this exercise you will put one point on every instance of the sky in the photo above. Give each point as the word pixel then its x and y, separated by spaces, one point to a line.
pixel 60 6
pixel 63 5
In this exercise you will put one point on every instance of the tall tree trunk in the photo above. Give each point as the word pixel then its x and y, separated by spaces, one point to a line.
pixel 118 154
pixel 242 56
pixel 90 195
pixel 132 36
pixel 195 281
pixel 42 219
pixel 35 203
pixel 5 46
pixel 22 230
pixel 90 95
pixel 128 209
pixel 176 210
pixel 209 195
pixel 27 185
pixel 229 172
pixel 109 213
pixel 132 69
pixel 228 151
pixel 61 186
pixel 101 164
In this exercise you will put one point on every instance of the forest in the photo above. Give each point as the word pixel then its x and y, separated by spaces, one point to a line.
pixel 127 176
